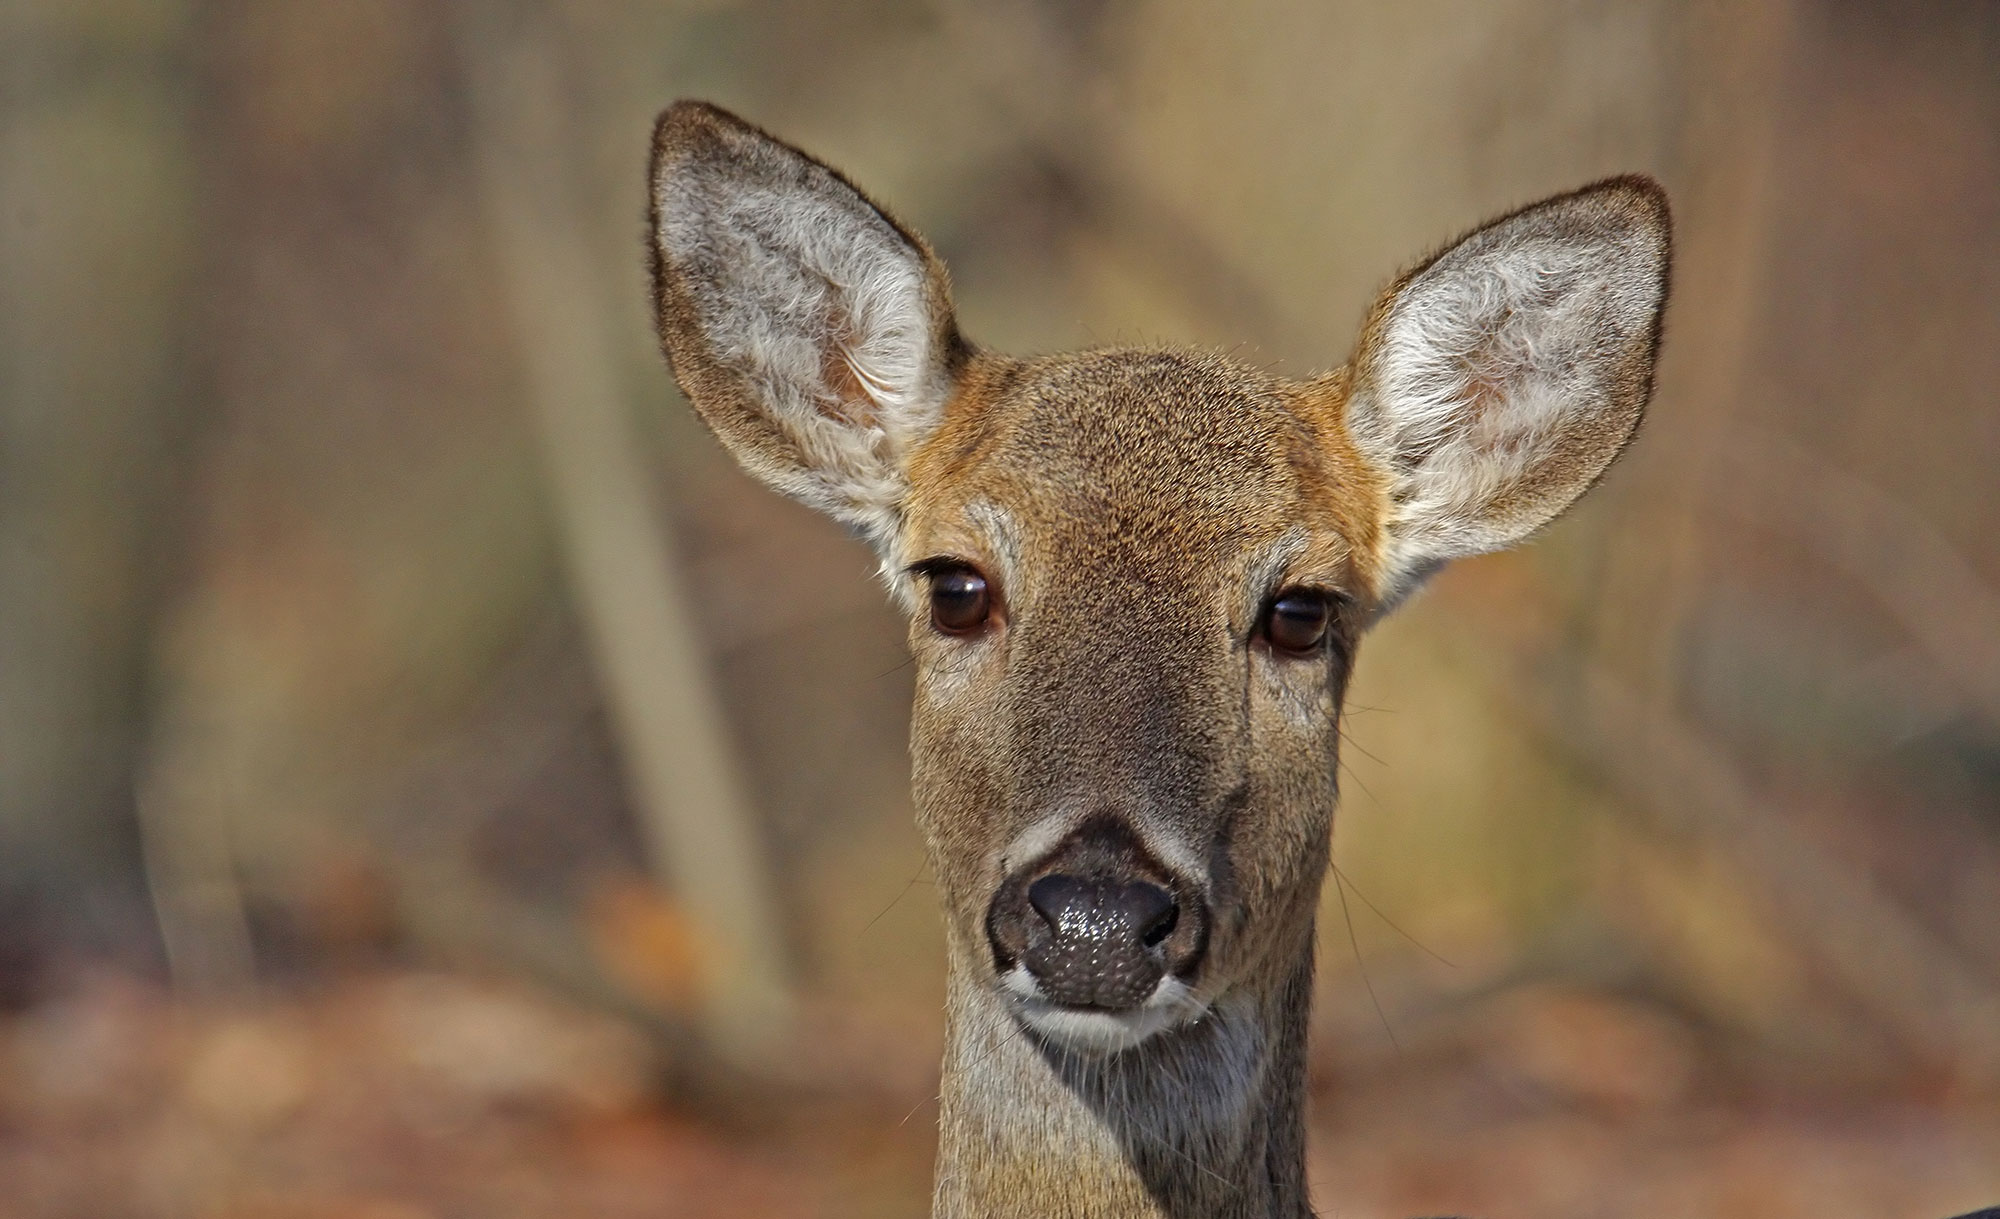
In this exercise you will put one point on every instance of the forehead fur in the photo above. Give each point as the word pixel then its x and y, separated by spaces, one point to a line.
pixel 1122 451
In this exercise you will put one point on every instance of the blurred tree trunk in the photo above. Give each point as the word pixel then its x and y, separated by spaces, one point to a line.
pixel 97 191
pixel 697 823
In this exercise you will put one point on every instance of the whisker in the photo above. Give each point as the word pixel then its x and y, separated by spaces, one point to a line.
pixel 928 1100
pixel 1354 942
pixel 1347 770
pixel 905 892
pixel 1425 948
pixel 1357 746
pixel 998 1031
pixel 907 662
pixel 995 1023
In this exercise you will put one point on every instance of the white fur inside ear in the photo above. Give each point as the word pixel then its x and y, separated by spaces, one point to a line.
pixel 1496 363
pixel 821 306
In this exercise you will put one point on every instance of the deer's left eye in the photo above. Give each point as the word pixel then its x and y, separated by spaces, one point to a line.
pixel 960 600
pixel 1297 620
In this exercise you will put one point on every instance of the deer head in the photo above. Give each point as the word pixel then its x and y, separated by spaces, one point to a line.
pixel 1136 580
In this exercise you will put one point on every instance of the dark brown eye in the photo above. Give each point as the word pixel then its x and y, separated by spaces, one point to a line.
pixel 960 600
pixel 1297 621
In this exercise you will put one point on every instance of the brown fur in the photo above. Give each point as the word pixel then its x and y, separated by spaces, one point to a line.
pixel 1134 510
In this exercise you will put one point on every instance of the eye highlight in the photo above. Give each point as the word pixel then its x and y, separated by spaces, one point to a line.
pixel 961 601
pixel 1297 621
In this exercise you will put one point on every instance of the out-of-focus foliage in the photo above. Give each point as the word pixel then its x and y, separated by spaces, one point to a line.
pixel 1669 865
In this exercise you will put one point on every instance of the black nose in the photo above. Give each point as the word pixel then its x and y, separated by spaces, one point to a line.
pixel 1096 928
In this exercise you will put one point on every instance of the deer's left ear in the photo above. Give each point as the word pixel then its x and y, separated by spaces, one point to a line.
pixel 1495 383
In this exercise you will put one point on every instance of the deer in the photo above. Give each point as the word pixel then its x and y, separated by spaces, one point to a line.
pixel 1136 579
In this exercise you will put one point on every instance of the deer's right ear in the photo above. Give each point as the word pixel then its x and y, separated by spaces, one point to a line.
pixel 813 333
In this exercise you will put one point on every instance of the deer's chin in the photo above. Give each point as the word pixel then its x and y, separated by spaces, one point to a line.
pixel 1095 1030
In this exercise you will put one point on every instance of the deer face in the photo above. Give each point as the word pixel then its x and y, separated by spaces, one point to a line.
pixel 1134 592
pixel 1136 578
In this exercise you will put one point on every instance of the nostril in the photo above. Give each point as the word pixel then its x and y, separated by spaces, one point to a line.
pixel 1150 912
pixel 1054 896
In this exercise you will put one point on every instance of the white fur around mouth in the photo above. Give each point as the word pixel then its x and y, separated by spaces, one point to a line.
pixel 1172 1003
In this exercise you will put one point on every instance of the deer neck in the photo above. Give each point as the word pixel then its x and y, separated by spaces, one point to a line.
pixel 1205 1120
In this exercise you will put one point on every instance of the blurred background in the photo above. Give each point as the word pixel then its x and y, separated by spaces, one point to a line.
pixel 434 782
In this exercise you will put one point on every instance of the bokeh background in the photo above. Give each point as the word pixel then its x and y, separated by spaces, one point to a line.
pixel 434 782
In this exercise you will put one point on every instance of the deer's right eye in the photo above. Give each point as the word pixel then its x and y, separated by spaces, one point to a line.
pixel 960 600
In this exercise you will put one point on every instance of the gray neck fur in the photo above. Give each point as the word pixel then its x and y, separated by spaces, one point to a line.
pixel 1203 1122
